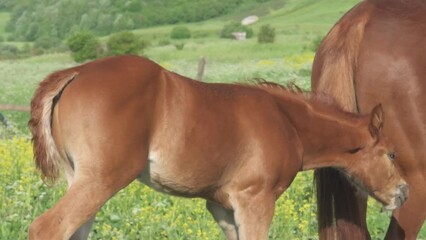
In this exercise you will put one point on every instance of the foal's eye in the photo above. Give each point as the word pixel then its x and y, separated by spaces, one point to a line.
pixel 354 150
pixel 392 156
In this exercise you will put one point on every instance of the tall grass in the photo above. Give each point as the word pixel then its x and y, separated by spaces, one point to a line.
pixel 135 212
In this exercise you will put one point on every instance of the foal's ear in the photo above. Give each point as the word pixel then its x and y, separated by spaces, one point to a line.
pixel 376 120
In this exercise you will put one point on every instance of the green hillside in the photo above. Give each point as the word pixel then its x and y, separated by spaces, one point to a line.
pixel 30 20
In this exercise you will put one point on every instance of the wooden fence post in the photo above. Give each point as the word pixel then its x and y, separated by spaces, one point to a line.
pixel 201 67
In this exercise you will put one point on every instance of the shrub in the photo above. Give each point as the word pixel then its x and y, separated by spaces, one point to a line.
pixel 46 43
pixel 180 32
pixel 179 46
pixel 125 43
pixel 164 42
pixel 8 51
pixel 84 46
pixel 266 34
pixel 230 28
pixel 10 38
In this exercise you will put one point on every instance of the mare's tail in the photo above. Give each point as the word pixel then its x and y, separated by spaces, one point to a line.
pixel 46 156
pixel 340 214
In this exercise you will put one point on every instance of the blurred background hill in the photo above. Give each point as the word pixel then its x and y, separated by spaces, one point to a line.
pixel 48 23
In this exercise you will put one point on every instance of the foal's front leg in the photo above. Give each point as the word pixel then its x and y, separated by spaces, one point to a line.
pixel 253 214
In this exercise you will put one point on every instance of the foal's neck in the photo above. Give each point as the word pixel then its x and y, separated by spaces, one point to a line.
pixel 324 131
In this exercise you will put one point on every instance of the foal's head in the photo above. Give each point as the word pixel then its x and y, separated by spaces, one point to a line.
pixel 371 164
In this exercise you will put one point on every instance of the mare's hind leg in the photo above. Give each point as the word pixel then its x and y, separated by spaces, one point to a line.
pixel 96 180
pixel 225 219
pixel 253 214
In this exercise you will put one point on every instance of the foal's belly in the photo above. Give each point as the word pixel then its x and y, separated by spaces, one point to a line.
pixel 166 175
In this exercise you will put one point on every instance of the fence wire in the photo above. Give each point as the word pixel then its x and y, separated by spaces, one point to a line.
pixel 8 128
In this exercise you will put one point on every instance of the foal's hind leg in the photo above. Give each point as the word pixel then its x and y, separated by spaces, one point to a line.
pixel 225 219
pixel 83 232
pixel 95 182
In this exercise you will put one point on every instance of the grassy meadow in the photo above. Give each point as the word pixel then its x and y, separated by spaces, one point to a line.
pixel 138 212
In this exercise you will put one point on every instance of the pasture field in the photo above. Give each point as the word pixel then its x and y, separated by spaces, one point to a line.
pixel 138 212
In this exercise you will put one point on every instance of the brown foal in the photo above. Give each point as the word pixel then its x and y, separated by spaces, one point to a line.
pixel 114 120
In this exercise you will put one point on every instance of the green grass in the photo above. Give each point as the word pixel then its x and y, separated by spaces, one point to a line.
pixel 136 212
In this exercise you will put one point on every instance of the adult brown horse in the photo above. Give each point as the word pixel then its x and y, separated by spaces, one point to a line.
pixel 111 121
pixel 377 54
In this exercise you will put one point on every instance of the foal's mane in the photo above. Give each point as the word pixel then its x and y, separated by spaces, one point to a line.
pixel 318 100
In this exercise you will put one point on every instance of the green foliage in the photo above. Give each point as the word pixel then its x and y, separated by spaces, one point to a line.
pixel 84 46
pixel 46 43
pixel 8 51
pixel 7 5
pixel 266 34
pixel 230 28
pixel 179 46
pixel 31 20
pixel 180 32
pixel 163 42
pixel 125 43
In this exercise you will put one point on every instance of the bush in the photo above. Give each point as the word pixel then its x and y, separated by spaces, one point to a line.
pixel 8 51
pixel 125 43
pixel 84 46
pixel 266 34
pixel 180 32
pixel 164 42
pixel 46 43
pixel 179 46
pixel 230 28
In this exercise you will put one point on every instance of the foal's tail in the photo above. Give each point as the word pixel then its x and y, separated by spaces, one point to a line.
pixel 339 211
pixel 46 156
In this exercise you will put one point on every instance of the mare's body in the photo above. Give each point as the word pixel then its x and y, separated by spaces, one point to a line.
pixel 377 54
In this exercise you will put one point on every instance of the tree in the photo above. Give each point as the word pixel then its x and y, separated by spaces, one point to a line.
pixel 180 32
pixel 125 43
pixel 46 43
pixel 84 46
pixel 230 28
pixel 266 34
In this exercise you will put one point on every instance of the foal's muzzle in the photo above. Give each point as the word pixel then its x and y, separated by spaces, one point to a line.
pixel 399 198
